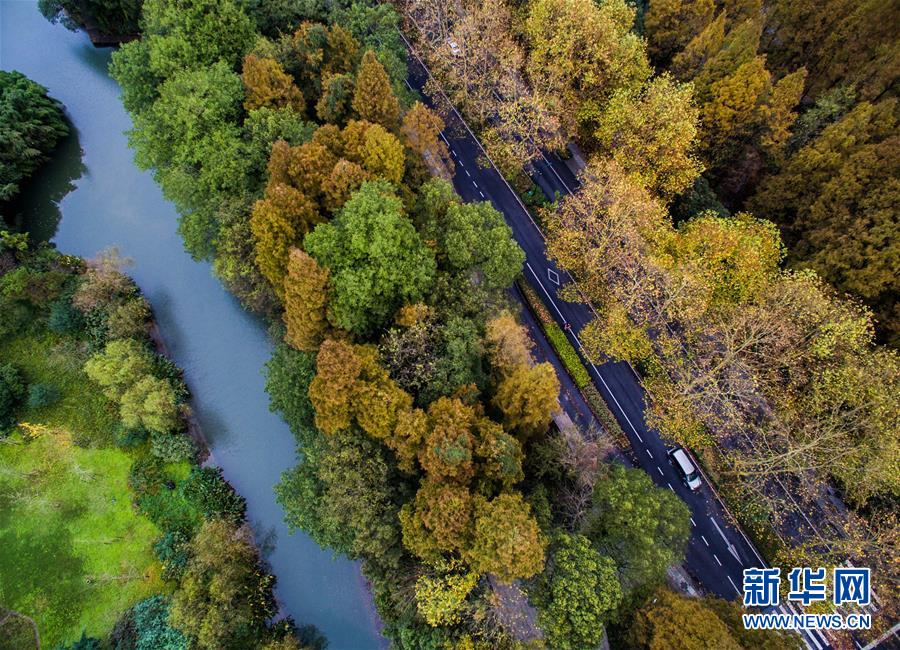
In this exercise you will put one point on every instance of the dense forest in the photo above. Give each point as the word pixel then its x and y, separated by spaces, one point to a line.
pixel 787 108
pixel 316 183
pixel 735 229
pixel 33 124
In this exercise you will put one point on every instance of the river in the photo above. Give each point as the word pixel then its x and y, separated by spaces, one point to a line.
pixel 90 197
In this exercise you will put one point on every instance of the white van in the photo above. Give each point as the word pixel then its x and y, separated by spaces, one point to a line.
pixel 685 468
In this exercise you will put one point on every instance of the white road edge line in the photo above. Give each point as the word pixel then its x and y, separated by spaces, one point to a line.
pixel 734 585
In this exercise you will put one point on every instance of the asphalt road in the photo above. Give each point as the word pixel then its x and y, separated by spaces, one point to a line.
pixel 717 552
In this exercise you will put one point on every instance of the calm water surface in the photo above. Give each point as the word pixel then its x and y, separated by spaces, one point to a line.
pixel 92 197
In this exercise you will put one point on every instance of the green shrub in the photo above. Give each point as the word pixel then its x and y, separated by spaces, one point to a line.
pixel 41 395
pixel 64 318
pixel 84 643
pixel 146 627
pixel 165 368
pixel 213 496
pixel 173 551
pixel 599 407
pixel 146 476
pixel 172 447
pixel 169 510
pixel 12 392
pixel 131 436
pixel 567 355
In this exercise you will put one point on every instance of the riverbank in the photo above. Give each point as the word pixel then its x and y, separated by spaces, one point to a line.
pixel 104 201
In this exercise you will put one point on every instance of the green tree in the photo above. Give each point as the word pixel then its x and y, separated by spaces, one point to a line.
pixel 150 403
pixel 477 242
pixel 113 17
pixel 653 135
pixel 288 375
pixel 337 95
pixel 190 137
pixel 12 392
pixel 344 494
pixel 130 66
pixel 527 397
pixel 441 599
pixel 373 98
pixel 224 598
pixel 376 260
pixel 643 528
pixel 577 594
pixel 184 34
pixel 32 125
pixel 119 366
pixel 305 302
pixel 146 627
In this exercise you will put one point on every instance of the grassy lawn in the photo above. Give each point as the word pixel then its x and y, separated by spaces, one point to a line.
pixel 74 553
pixel 83 410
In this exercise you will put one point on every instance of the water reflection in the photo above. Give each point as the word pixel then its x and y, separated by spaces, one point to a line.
pixel 36 208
